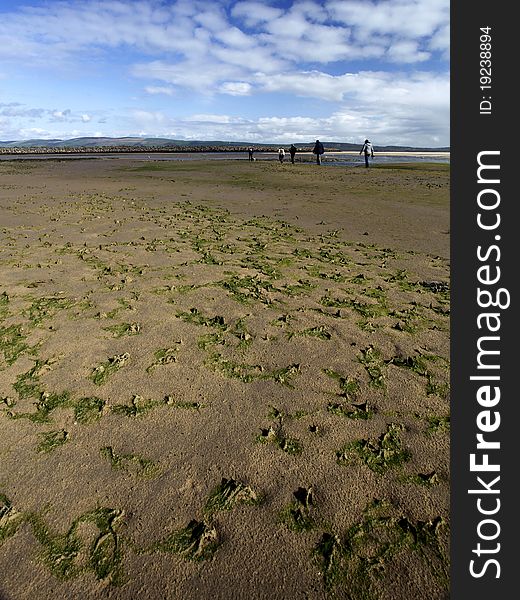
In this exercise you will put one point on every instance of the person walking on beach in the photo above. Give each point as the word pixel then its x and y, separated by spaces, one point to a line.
pixel 368 149
pixel 318 150
pixel 250 151
pixel 292 152
pixel 281 154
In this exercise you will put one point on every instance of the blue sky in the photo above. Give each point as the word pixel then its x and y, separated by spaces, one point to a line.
pixel 269 71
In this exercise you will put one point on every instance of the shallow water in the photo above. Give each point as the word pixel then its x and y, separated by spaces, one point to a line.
pixel 330 159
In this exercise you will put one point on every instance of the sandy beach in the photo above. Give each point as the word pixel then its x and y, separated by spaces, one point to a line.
pixel 223 379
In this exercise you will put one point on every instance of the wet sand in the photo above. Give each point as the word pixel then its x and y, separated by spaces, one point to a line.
pixel 223 379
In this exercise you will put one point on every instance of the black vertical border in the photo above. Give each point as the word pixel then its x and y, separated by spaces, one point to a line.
pixel 471 133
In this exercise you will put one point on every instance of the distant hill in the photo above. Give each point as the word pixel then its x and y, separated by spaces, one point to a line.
pixel 139 144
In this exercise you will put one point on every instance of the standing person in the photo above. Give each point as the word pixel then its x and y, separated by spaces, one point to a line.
pixel 250 151
pixel 368 149
pixel 281 154
pixel 292 152
pixel 318 150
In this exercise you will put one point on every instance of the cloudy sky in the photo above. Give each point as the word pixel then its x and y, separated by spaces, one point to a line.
pixel 258 71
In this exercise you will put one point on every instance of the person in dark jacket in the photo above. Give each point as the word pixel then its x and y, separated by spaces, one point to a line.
pixel 368 149
pixel 292 152
pixel 318 150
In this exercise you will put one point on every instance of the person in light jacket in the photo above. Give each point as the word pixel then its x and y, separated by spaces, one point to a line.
pixel 281 154
pixel 368 149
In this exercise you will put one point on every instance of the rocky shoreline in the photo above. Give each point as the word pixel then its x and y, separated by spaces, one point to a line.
pixel 140 149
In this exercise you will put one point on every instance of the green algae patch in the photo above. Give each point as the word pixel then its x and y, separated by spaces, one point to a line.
pixel 423 479
pixel 49 402
pixel 436 388
pixel 400 277
pixel 349 386
pixel 228 494
pixel 437 424
pixel 45 308
pixel 50 440
pixel 361 410
pixel 27 384
pixel 240 331
pixel 105 552
pixel 232 369
pixel 359 560
pixel 415 363
pixel 123 305
pixel 67 555
pixel 123 329
pixel 372 360
pixel 277 437
pixel 59 552
pixel 248 289
pixel 408 319
pixel 297 515
pixel 101 373
pixel 163 356
pixel 210 339
pixel 320 332
pixel 386 452
pixel 329 555
pixel 4 305
pixel 297 289
pixel 196 317
pixel 419 365
pixel 284 375
pixel 46 403
pixel 132 463
pixel 137 407
pixel 13 343
pixel 197 541
pixel 88 410
pixel 10 519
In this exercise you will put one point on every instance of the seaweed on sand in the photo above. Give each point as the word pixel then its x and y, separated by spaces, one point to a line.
pixel 379 455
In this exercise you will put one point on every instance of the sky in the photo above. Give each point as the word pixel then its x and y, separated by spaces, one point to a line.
pixel 252 71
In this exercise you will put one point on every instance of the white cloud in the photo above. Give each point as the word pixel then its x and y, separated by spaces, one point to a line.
pixel 441 41
pixel 234 37
pixel 403 18
pixel 211 119
pixel 61 31
pixel 406 52
pixel 254 13
pixel 188 74
pixel 251 60
pixel 293 25
pixel 236 88
pixel 153 89
pixel 150 118
pixel 61 115
pixel 33 132
pixel 15 109
pixel 212 19
pixel 386 121
pixel 385 124
pixel 363 88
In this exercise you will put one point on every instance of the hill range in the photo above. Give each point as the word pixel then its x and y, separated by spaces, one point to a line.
pixel 136 144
